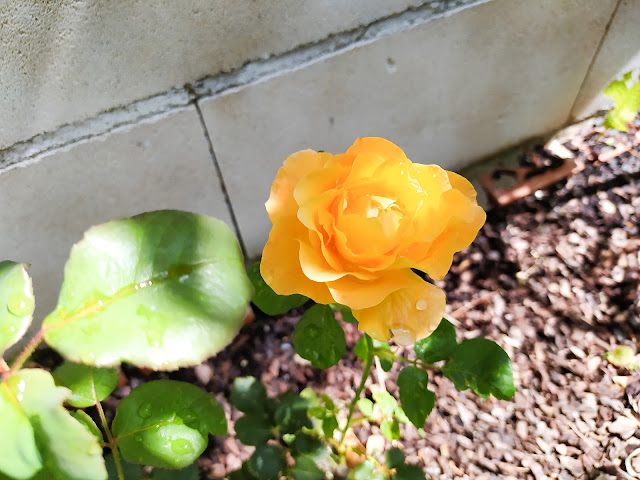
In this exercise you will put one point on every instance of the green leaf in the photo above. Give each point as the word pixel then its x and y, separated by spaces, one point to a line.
pixel 269 301
pixel 483 366
pixel 366 407
pixel 84 418
pixel 266 462
pixel 162 290
pixel 417 400
pixel 409 472
pixel 626 94
pixel 309 446
pixel 166 423
pixel 363 347
pixel 37 431
pixel 130 471
pixel 365 471
pixel 622 356
pixel 16 303
pixel 394 457
pixel 319 338
pixel 291 414
pixel 306 469
pixel 345 312
pixel 88 384
pixel 386 403
pixel 253 429
pixel 439 345
pixel 390 429
pixel 329 425
pixel 248 395
pixel 400 415
pixel 385 362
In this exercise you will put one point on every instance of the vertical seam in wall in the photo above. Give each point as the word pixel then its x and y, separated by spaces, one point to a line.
pixel 593 61
pixel 223 186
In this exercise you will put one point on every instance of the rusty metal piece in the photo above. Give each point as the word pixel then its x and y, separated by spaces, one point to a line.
pixel 527 179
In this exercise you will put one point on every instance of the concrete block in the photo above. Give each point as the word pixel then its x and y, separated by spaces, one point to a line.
pixel 67 60
pixel 449 91
pixel 620 53
pixel 46 207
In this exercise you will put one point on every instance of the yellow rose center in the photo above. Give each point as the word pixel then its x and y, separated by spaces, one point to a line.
pixel 383 210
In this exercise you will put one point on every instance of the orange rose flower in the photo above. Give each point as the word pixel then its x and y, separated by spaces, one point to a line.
pixel 349 228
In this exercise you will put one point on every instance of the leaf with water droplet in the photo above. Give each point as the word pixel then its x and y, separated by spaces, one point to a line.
pixel 161 290
pixel 16 303
pixel 166 423
pixel 269 301
pixel 319 338
pixel 39 436
pixel 87 384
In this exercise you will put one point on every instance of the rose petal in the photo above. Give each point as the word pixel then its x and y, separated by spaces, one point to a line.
pixel 356 293
pixel 376 146
pixel 281 202
pixel 410 313
pixel 280 266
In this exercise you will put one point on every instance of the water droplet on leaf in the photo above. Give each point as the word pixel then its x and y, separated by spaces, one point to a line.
pixel 144 411
pixel 20 305
pixel 182 446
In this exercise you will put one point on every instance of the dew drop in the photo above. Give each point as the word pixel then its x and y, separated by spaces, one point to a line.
pixel 20 305
pixel 183 278
pixel 403 337
pixel 144 411
pixel 421 304
pixel 182 446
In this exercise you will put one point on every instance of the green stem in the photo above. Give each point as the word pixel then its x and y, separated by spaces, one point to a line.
pixel 28 350
pixel 111 442
pixel 365 374
pixel 384 353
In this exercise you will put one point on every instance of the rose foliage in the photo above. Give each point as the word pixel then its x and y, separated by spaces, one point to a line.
pixel 350 228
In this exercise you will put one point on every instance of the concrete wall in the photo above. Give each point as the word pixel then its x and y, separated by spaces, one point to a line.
pixel 113 107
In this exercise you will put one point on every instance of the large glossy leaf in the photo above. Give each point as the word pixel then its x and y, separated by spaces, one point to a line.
pixel 88 384
pixel 483 366
pixel 161 290
pixel 16 303
pixel 66 449
pixel 166 423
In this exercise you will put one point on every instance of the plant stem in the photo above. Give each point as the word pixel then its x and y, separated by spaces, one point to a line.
pixel 365 374
pixel 111 442
pixel 28 350
pixel 4 368
pixel 383 353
